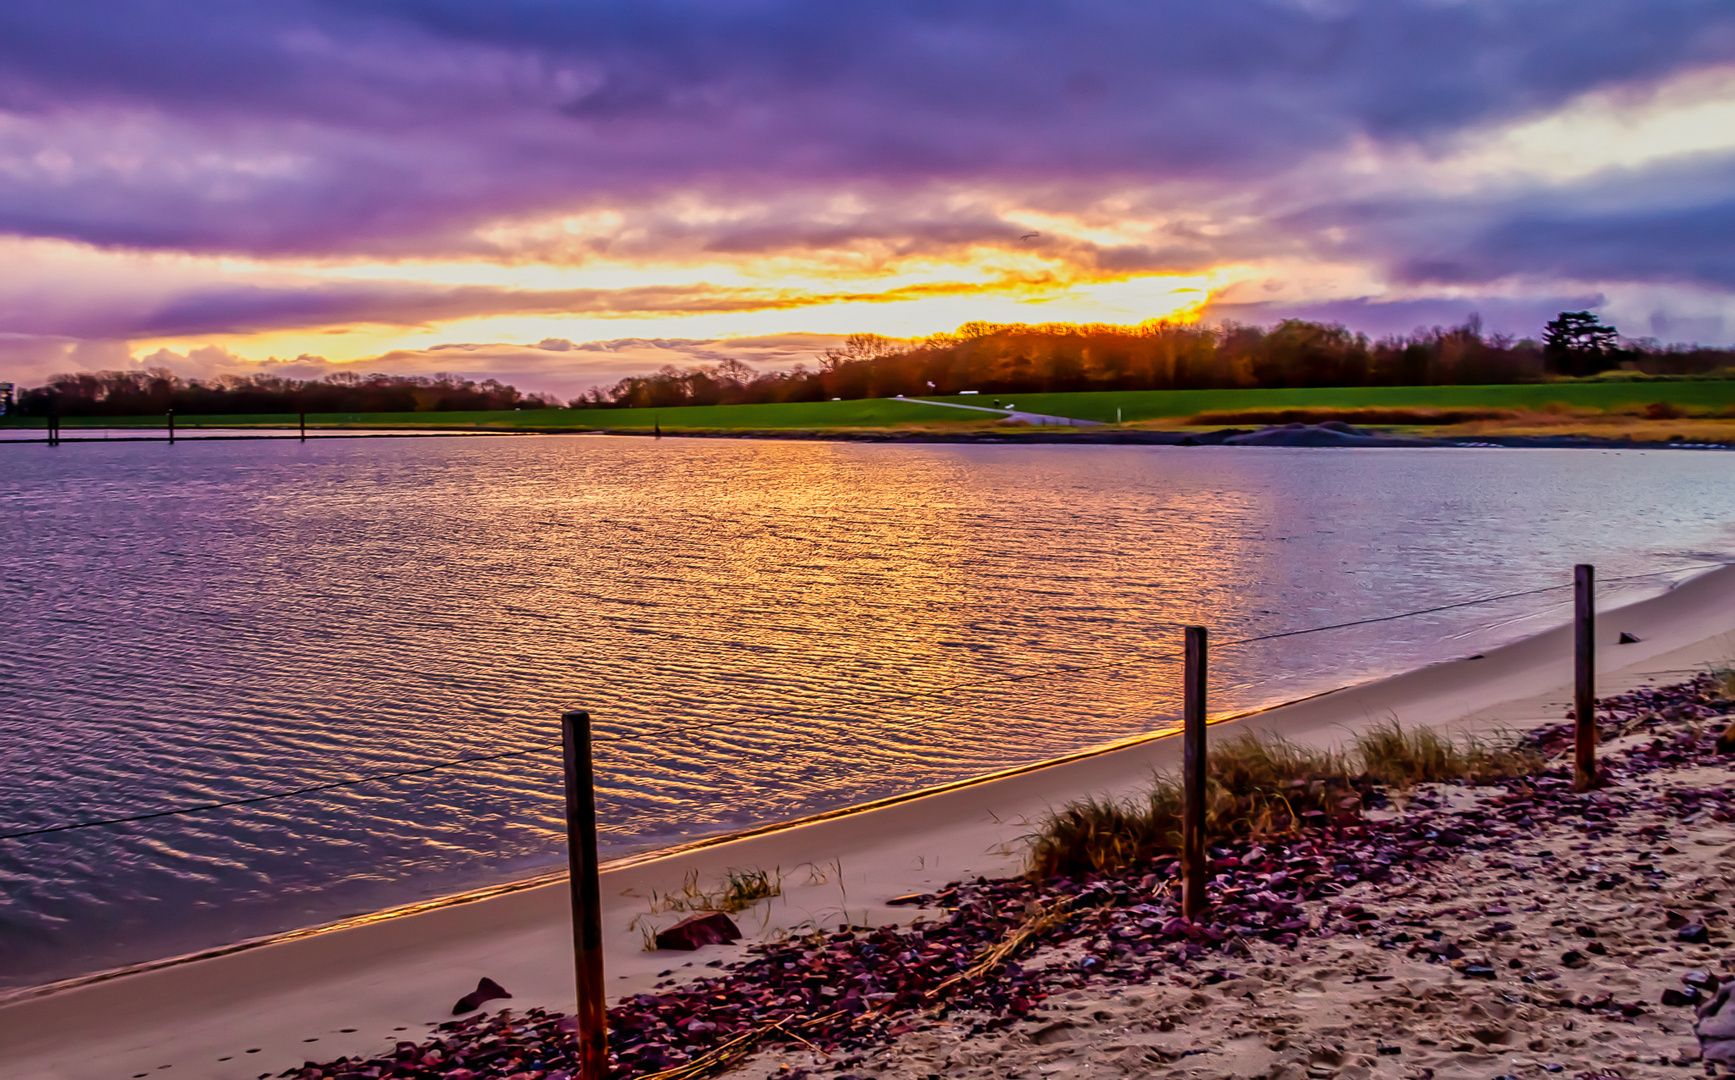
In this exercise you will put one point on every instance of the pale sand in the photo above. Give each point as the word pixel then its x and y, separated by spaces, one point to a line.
pixel 1344 1008
pixel 390 978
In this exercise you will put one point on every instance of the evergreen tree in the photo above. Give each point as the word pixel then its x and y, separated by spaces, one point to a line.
pixel 1577 344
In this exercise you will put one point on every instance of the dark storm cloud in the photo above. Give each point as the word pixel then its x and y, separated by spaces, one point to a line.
pixel 1518 317
pixel 398 127
pixel 1619 231
pixel 1670 223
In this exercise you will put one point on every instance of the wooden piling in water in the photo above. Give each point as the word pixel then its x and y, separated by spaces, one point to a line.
pixel 592 1012
pixel 1584 674
pixel 1193 774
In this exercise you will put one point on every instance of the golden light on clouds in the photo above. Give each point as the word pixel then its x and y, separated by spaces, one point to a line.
pixel 911 310
pixel 708 295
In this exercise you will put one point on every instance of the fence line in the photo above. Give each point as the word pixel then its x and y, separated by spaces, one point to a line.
pixel 677 730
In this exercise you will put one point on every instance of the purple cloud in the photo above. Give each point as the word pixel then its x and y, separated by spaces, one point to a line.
pixel 248 309
pixel 307 127
pixel 1664 225
pixel 1517 316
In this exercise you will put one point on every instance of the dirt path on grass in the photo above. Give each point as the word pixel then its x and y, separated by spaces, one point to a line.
pixel 1011 415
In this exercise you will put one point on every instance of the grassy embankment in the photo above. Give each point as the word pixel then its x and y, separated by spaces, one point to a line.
pixel 1695 410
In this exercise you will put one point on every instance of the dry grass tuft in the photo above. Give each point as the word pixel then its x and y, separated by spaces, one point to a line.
pixel 1664 410
pixel 738 891
pixel 1255 787
pixel 996 955
pixel 1262 786
pixel 1397 758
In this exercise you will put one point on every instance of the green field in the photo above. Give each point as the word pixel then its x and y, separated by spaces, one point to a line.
pixel 1172 404
pixel 1134 405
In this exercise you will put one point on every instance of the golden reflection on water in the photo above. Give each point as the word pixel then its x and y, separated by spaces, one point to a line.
pixel 823 623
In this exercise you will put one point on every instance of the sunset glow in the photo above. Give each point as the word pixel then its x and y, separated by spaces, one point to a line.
pixel 592 188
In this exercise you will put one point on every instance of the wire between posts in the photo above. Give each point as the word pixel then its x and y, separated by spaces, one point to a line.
pixel 677 730
pixel 681 729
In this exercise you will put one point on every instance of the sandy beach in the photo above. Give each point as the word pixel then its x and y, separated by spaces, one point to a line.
pixel 361 988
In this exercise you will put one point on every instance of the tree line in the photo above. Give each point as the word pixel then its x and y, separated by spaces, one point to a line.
pixel 992 358
pixel 1015 359
pixel 137 393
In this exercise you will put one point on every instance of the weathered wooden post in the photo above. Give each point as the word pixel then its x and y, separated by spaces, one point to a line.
pixel 1584 674
pixel 303 427
pixel 1193 775
pixel 171 425
pixel 592 1013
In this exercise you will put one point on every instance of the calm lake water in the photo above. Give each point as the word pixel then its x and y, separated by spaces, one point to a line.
pixel 211 621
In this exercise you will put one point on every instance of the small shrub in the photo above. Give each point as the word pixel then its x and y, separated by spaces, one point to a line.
pixel 1664 410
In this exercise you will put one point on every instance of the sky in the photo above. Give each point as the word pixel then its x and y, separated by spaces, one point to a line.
pixel 559 193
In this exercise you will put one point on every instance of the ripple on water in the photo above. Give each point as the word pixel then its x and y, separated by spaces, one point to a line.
pixel 825 623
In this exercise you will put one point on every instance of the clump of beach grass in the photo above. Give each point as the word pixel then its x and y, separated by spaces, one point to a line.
pixel 1261 786
pixel 1255 786
pixel 1401 758
pixel 738 891
pixel 1723 681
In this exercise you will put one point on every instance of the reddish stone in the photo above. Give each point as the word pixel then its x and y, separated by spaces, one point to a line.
pixel 486 990
pixel 713 928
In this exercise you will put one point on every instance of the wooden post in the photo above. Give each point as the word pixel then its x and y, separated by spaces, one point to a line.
pixel 303 427
pixel 171 425
pixel 592 1013
pixel 1584 673
pixel 1193 775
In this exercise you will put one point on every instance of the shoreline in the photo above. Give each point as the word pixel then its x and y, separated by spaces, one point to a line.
pixel 1087 436
pixel 549 878
pixel 386 976
pixel 1093 434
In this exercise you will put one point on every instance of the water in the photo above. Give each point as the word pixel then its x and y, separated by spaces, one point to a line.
pixel 211 621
